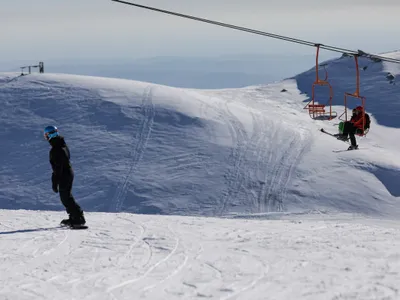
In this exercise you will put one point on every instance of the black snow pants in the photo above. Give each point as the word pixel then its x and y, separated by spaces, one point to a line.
pixel 349 130
pixel 67 199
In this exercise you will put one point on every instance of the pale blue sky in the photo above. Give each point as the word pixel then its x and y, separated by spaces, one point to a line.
pixel 54 29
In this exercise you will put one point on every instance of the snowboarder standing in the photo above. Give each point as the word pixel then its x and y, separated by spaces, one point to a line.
pixel 63 176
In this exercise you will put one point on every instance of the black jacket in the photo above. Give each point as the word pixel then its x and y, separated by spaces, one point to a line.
pixel 59 160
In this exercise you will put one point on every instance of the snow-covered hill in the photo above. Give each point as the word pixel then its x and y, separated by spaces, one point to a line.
pixel 146 148
pixel 301 221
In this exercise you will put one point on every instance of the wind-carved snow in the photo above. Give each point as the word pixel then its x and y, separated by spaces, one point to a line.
pixel 148 257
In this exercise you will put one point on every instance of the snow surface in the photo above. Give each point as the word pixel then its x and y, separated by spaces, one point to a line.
pixel 255 203
pixel 172 257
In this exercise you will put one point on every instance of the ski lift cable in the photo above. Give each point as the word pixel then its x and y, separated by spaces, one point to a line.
pixel 267 34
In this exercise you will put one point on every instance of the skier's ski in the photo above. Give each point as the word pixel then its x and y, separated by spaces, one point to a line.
pixel 333 135
pixel 345 150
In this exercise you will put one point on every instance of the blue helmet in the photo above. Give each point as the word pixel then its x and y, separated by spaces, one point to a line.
pixel 50 132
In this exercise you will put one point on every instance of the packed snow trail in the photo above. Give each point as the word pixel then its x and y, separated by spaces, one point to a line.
pixel 127 256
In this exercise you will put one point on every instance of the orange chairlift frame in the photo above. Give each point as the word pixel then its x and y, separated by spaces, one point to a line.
pixel 319 110
pixel 356 95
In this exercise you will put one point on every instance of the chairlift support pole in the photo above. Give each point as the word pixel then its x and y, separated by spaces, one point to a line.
pixel 316 110
pixel 356 94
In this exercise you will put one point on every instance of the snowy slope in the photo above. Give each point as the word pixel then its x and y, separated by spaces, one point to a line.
pixel 301 222
pixel 170 257
pixel 146 148
pixel 382 103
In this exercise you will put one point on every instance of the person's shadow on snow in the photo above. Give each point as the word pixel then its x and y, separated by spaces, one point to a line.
pixel 30 230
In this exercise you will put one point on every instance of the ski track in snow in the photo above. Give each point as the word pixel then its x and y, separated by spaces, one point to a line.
pixel 155 257
pixel 138 147
pixel 240 141
pixel 284 161
pixel 273 164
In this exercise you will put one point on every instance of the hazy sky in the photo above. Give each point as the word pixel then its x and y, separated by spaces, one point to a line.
pixel 53 29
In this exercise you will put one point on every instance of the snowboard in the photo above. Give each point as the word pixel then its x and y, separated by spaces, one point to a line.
pixel 75 227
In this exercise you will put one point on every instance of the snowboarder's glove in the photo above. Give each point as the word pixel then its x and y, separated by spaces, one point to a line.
pixel 54 184
pixel 55 188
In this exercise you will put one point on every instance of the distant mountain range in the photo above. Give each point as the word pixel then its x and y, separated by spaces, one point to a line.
pixel 229 71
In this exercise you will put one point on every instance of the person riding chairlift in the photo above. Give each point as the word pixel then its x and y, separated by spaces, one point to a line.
pixel 356 125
